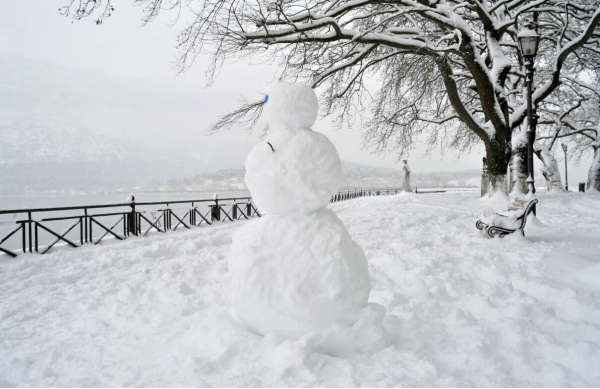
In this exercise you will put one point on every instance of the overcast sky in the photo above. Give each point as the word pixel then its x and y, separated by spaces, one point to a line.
pixel 121 48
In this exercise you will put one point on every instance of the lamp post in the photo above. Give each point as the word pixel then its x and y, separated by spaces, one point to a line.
pixel 528 45
pixel 564 147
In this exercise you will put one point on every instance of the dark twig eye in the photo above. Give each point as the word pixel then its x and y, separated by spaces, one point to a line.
pixel 269 143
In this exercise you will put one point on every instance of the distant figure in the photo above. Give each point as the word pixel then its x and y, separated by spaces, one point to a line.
pixel 406 171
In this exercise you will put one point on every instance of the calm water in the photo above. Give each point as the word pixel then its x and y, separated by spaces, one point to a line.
pixel 62 200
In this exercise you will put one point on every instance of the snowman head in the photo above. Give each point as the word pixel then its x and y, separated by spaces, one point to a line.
pixel 291 106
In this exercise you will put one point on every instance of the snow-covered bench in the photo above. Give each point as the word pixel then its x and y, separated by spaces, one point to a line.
pixel 509 221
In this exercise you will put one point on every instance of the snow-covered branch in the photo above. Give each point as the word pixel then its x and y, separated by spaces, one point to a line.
pixel 455 63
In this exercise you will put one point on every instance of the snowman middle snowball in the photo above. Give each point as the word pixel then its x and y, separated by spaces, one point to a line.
pixel 296 269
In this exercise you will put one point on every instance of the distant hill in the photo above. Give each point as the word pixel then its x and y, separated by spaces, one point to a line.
pixel 80 114
pixel 32 86
pixel 50 142
pixel 65 129
pixel 54 156
pixel 110 170
pixel 354 175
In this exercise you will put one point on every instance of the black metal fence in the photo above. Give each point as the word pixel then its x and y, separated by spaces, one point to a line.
pixel 348 194
pixel 355 193
pixel 90 224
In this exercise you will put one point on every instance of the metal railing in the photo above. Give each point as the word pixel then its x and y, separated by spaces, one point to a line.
pixel 88 225
pixel 348 194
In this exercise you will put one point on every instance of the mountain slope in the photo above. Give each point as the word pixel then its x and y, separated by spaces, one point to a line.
pixel 354 175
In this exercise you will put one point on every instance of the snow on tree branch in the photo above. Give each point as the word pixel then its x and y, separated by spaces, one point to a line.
pixel 400 67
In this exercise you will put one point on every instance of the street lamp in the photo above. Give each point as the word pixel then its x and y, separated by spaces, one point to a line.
pixel 564 147
pixel 528 45
pixel 528 41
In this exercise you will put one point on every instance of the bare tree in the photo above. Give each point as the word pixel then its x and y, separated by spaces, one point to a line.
pixel 579 125
pixel 566 100
pixel 445 68
pixel 544 150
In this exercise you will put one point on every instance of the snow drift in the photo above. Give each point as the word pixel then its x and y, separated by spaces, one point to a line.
pixel 462 309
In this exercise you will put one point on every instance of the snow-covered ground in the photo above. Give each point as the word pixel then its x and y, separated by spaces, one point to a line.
pixel 453 308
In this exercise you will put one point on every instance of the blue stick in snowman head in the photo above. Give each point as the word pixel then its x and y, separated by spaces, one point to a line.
pixel 269 143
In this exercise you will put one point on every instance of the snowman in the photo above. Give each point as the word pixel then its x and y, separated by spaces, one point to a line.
pixel 296 269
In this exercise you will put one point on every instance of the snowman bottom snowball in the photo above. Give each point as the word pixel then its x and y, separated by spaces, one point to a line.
pixel 295 273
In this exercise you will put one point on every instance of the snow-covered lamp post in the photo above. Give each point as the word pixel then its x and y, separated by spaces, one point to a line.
pixel 564 147
pixel 528 45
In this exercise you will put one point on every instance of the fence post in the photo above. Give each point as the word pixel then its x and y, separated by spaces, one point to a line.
pixel 24 238
pixel 133 218
pixel 216 214
pixel 30 240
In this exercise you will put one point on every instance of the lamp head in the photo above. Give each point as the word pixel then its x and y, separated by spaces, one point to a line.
pixel 528 41
pixel 564 147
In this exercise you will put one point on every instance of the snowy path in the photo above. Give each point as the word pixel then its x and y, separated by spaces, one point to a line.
pixel 462 310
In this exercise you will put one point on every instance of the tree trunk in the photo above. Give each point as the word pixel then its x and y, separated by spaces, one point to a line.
pixel 550 169
pixel 594 173
pixel 495 169
pixel 485 181
pixel 519 164
pixel 510 176
pixel 496 182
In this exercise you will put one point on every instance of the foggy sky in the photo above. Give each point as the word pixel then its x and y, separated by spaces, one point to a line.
pixel 121 48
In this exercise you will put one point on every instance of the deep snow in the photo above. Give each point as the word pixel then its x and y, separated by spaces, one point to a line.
pixel 462 309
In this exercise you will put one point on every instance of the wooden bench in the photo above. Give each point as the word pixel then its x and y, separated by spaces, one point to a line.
pixel 516 215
